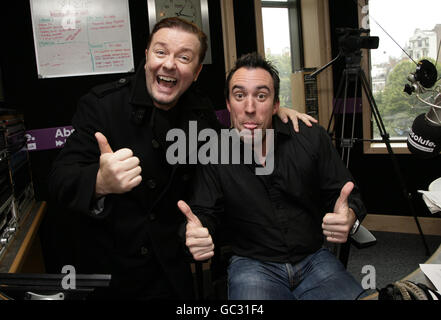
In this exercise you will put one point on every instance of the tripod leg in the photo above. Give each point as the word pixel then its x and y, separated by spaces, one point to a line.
pixel 341 251
pixel 347 144
pixel 346 247
pixel 354 109
pixel 339 90
pixel 344 146
pixel 386 140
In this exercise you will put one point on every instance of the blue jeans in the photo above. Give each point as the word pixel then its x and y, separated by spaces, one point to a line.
pixel 320 276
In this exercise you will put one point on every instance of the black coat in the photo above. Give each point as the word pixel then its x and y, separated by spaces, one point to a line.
pixel 135 238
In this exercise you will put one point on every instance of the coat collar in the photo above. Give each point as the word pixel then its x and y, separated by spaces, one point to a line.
pixel 139 95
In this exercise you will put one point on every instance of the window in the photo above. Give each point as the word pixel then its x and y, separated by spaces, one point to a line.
pixel 281 36
pixel 419 36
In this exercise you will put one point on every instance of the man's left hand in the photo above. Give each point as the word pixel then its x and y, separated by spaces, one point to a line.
pixel 337 225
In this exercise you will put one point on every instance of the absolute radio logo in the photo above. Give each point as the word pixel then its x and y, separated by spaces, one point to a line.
pixel 418 142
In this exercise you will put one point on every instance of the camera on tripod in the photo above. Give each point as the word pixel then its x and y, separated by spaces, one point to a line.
pixel 352 40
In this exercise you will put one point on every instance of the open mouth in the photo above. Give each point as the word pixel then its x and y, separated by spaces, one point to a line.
pixel 166 81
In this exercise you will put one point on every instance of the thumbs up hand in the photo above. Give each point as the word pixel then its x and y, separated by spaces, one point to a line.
pixel 336 225
pixel 198 239
pixel 119 171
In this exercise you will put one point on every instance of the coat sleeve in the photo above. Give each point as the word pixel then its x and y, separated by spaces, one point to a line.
pixel 207 202
pixel 73 176
pixel 334 175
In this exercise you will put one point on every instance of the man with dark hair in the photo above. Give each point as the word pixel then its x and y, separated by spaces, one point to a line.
pixel 113 172
pixel 276 222
pixel 254 61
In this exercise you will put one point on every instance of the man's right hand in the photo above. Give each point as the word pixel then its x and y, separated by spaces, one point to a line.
pixel 198 239
pixel 119 171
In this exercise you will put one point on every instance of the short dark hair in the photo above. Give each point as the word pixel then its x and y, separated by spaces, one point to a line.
pixel 253 61
pixel 178 23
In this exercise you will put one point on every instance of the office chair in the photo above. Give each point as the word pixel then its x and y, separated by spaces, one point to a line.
pixel 363 238
pixel 212 285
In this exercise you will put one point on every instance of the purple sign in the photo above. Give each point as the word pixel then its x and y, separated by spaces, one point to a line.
pixel 52 138
pixel 49 138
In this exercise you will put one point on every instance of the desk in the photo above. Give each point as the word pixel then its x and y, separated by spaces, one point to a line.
pixel 417 276
pixel 22 242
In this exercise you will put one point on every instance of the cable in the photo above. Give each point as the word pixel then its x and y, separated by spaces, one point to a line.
pixel 364 291
pixel 370 17
pixel 437 56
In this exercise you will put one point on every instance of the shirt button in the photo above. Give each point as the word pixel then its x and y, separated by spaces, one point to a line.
pixel 155 144
pixel 122 80
pixel 144 251
pixel 151 183
pixel 152 216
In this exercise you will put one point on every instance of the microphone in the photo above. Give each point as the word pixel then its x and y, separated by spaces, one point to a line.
pixel 424 139
pixel 425 75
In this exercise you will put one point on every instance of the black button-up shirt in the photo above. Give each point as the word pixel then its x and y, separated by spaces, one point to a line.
pixel 276 217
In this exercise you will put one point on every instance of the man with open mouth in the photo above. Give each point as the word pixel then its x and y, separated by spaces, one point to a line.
pixel 113 172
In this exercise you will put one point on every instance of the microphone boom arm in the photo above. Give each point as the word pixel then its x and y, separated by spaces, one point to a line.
pixel 315 73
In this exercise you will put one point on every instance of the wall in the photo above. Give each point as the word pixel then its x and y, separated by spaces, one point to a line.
pixel 245 23
pixel 317 50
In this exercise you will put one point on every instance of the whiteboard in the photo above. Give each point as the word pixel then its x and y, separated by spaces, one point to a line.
pixel 81 37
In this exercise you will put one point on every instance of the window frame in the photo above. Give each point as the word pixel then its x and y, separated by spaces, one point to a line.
pixel 295 29
pixel 316 44
pixel 371 146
